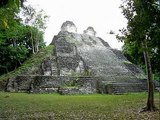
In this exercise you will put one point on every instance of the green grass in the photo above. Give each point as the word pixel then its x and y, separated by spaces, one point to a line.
pixel 34 60
pixel 21 106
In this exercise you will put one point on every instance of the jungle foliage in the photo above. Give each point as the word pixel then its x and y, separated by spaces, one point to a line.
pixel 141 39
pixel 18 40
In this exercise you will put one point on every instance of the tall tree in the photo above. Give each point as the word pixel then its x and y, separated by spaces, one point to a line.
pixel 15 41
pixel 142 32
pixel 36 19
pixel 8 20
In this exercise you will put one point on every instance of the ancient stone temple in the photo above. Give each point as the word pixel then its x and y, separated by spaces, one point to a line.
pixel 82 64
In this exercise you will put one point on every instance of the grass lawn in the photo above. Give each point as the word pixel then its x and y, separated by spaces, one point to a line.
pixel 22 106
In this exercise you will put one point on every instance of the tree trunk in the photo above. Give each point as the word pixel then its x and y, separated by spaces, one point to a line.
pixel 37 47
pixel 37 42
pixel 150 100
pixel 33 51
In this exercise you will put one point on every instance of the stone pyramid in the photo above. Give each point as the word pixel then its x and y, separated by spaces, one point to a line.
pixel 82 63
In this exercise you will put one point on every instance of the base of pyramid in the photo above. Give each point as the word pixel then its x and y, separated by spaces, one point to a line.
pixel 72 85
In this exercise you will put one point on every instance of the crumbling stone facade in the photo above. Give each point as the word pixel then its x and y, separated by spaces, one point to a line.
pixel 90 31
pixel 82 64
pixel 68 26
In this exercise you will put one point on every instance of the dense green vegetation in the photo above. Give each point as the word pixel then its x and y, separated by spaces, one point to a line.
pixel 21 35
pixel 71 107
pixel 34 60
pixel 141 38
pixel 143 24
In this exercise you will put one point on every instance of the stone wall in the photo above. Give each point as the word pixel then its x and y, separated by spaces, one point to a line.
pixel 118 88
pixel 49 84
pixel 70 85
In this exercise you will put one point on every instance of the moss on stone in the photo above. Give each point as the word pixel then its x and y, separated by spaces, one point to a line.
pixel 34 60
